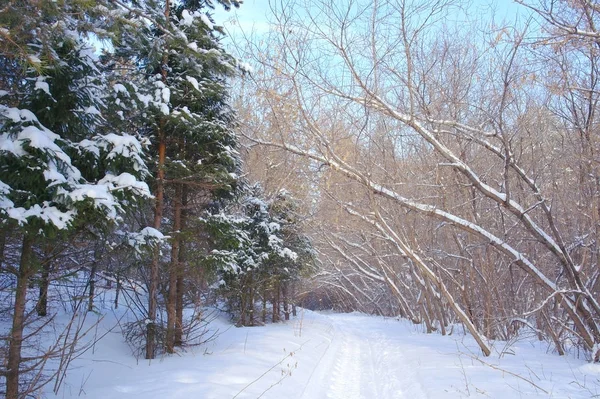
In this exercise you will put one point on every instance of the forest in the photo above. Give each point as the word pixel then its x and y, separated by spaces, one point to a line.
pixel 426 160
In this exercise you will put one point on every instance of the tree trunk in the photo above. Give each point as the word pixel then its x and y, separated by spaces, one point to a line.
pixel 158 214
pixel 286 310
pixel 179 303
pixel 118 289
pixel 243 303
pixel 275 301
pixel 425 314
pixel 42 305
pixel 174 272
pixel 92 292
pixel 16 334
pixel 153 286
pixel 438 309
pixel 278 301
pixel 294 312
pixel 180 271
pixel 264 302
pixel 92 283
pixel 2 243
pixel 251 299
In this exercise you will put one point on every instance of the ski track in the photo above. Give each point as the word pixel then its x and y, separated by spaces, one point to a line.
pixel 326 356
pixel 364 362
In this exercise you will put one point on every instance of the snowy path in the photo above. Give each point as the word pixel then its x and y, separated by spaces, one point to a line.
pixel 364 362
pixel 329 356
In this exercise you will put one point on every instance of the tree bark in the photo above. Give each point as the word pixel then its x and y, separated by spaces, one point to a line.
pixel 153 286
pixel 251 299
pixel 118 290
pixel 158 214
pixel 180 271
pixel 42 305
pixel 294 312
pixel 242 299
pixel 92 283
pixel 18 322
pixel 275 301
pixel 174 272
pixel 264 302
pixel 2 243
pixel 286 310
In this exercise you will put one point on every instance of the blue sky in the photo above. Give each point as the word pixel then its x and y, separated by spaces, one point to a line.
pixel 252 15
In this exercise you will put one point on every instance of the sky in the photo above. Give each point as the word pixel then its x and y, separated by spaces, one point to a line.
pixel 253 14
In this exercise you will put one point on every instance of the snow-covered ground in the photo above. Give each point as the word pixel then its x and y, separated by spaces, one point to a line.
pixel 326 355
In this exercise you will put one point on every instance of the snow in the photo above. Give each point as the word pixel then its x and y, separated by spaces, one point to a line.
pixel 91 110
pixel 126 180
pixel 124 145
pixel 7 144
pixel 274 241
pixel 146 236
pixel 58 170
pixel 164 108
pixel 288 253
pixel 89 55
pixel 90 146
pixel 41 84
pixel 244 66
pixel 144 98
pixel 323 355
pixel 4 188
pixel 46 212
pixel 206 21
pixel 53 175
pixel 119 88
pixel 43 140
pixel 34 59
pixel 193 81
pixel 186 18
pixel 152 232
pixel 17 115
pixel 166 95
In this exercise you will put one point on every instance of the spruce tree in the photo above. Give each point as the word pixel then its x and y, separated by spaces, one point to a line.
pixel 258 250
pixel 60 165
pixel 181 92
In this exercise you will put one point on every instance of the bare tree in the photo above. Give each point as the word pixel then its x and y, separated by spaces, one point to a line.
pixel 457 148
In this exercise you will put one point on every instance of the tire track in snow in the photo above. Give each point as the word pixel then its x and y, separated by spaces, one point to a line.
pixel 364 363
pixel 346 378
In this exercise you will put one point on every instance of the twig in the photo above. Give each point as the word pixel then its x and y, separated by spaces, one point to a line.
pixel 263 374
pixel 506 371
pixel 266 372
